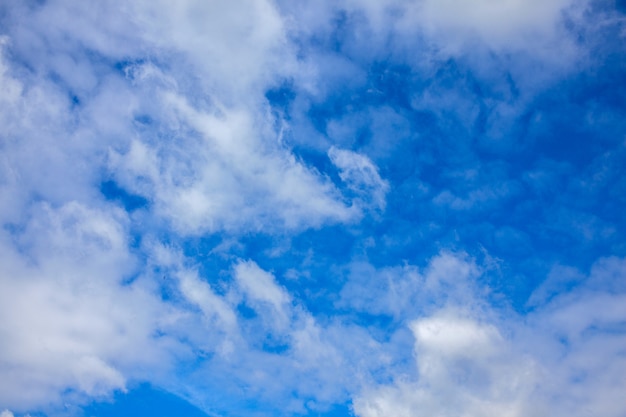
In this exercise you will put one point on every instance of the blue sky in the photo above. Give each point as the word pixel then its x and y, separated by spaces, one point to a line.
pixel 332 208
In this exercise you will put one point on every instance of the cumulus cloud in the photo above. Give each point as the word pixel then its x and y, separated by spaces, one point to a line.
pixel 462 370
pixel 563 359
pixel 74 319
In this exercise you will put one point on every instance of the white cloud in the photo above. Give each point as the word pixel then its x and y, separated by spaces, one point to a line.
pixel 201 316
pixel 452 336
pixel 210 138
pixel 194 136
pixel 260 285
pixel 226 171
pixel 564 359
pixel 361 176
pixel 238 47
pixel 72 319
pixel 463 370
pixel 166 98
pixel 448 279
pixel 455 27
pixel 282 355
pixel 505 23
pixel 391 291
pixel 34 115
pixel 199 292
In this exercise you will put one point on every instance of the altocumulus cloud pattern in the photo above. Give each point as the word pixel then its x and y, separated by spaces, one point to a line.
pixel 313 208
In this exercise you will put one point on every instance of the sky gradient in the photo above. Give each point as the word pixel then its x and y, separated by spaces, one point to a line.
pixel 362 208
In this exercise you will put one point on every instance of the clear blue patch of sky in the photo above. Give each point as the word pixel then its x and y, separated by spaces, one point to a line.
pixel 144 400
pixel 131 202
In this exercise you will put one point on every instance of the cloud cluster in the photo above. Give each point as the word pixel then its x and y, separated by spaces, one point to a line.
pixel 145 144
pixel 73 318
pixel 562 359
pixel 91 102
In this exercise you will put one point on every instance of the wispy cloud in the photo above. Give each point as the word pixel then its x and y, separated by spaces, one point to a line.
pixel 361 176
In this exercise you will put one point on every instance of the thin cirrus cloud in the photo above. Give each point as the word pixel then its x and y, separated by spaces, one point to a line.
pixel 293 208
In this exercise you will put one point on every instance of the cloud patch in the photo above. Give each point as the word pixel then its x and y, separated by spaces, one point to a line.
pixel 472 359
pixel 361 176
pixel 67 303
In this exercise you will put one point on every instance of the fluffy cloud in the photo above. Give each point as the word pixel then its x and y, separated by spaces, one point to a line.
pixel 181 138
pixel 76 319
pixel 80 314
pixel 225 171
pixel 563 359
